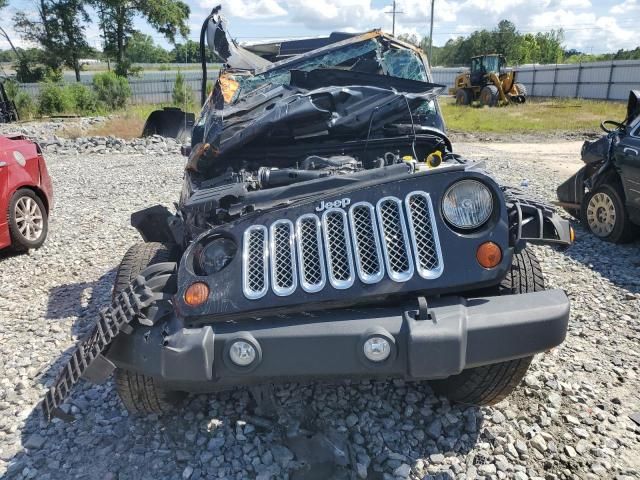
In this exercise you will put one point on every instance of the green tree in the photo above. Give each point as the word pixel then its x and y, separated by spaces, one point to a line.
pixel 168 17
pixel 142 49
pixel 189 52
pixel 30 65
pixel 182 93
pixel 112 90
pixel 58 26
pixel 550 45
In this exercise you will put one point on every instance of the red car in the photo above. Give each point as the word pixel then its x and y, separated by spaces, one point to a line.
pixel 26 194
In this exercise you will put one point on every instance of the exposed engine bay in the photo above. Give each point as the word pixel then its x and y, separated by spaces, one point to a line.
pixel 280 179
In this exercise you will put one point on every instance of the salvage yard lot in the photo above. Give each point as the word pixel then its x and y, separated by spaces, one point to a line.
pixel 570 419
pixel 574 116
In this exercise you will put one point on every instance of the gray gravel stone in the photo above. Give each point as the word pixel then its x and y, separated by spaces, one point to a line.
pixel 389 424
pixel 402 471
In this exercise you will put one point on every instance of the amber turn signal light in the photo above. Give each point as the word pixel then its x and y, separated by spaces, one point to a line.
pixel 196 294
pixel 572 234
pixel 489 255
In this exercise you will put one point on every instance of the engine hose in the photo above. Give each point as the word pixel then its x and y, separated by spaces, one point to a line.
pixel 274 177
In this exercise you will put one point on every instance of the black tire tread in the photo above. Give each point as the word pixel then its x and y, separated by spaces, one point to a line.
pixel 495 95
pixel 490 384
pixel 522 89
pixel 525 275
pixel 139 393
pixel 465 94
pixel 137 258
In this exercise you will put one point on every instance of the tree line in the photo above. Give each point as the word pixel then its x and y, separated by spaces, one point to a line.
pixel 518 48
pixel 58 28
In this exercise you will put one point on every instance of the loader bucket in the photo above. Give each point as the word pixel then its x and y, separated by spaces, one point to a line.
pixel 170 122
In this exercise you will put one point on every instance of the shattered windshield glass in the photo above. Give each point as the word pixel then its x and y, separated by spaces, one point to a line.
pixel 350 54
pixel 404 64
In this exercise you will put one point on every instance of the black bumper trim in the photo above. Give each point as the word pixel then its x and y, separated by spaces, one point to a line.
pixel 460 334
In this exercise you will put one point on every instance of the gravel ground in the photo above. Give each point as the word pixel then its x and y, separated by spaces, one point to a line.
pixel 570 418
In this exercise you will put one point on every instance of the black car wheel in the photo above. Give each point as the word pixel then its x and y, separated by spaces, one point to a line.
pixel 139 393
pixel 604 214
pixel 489 384
pixel 28 221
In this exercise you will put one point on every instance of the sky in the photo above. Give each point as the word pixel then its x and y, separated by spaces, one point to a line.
pixel 592 26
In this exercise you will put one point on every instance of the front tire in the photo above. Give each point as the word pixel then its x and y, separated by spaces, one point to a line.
pixel 490 384
pixel 28 221
pixel 604 214
pixel 522 92
pixel 463 97
pixel 140 393
pixel 489 96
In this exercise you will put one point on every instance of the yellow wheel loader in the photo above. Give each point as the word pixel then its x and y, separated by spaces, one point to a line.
pixel 488 81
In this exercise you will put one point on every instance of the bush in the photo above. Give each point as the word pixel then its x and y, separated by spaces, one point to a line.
pixel 54 99
pixel 111 90
pixel 12 88
pixel 25 105
pixel 182 93
pixel 85 100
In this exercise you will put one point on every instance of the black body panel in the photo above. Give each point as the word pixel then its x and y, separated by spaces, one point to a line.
pixel 461 270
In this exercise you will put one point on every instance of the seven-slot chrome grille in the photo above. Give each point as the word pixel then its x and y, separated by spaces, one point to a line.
pixel 394 237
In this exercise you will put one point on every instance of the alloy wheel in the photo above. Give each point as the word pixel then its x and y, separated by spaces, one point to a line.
pixel 29 219
pixel 601 214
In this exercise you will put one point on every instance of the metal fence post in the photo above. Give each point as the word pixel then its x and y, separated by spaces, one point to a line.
pixel 610 79
pixel 533 82
pixel 555 79
pixel 579 79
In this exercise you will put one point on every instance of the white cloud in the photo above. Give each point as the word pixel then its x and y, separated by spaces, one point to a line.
pixel 248 9
pixel 626 7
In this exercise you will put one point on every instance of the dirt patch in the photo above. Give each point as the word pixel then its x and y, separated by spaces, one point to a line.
pixel 560 159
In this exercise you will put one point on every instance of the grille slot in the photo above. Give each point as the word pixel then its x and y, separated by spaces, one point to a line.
pixel 424 235
pixel 310 253
pixel 284 278
pixel 255 257
pixel 337 244
pixel 395 236
pixel 366 243
pixel 395 241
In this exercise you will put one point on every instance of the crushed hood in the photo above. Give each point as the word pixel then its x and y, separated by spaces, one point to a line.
pixel 226 48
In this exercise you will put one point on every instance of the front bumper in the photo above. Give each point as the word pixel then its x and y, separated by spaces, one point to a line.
pixel 458 334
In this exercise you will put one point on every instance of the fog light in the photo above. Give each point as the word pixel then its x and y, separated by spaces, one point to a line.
pixel 242 353
pixel 377 349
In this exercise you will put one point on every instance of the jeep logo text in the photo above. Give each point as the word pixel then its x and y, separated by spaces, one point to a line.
pixel 344 203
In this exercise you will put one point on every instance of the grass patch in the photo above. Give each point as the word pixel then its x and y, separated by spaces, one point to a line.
pixel 535 116
pixel 126 124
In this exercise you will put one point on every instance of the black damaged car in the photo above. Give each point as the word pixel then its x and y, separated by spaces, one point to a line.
pixel 326 229
pixel 605 193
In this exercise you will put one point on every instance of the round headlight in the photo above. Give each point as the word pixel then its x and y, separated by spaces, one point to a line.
pixel 467 204
pixel 216 255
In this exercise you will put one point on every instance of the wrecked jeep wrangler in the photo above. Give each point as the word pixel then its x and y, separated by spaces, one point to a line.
pixel 326 230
